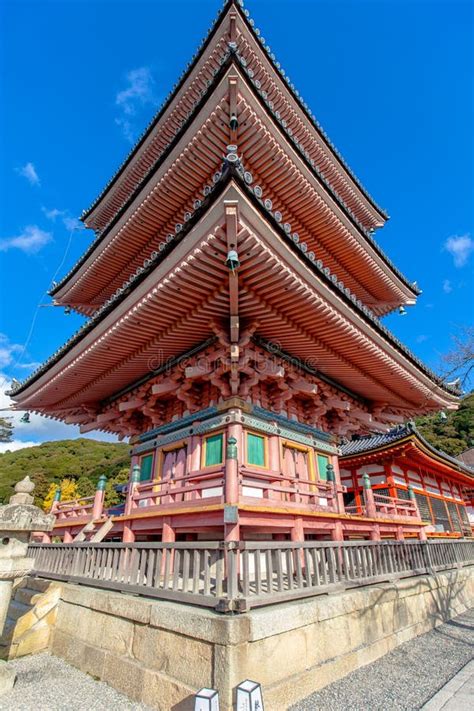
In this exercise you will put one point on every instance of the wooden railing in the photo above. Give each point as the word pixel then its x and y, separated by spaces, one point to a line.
pixel 283 487
pixel 238 576
pixel 395 507
pixel 77 508
pixel 190 487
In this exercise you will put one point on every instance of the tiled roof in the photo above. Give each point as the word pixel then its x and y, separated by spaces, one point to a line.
pixel 277 67
pixel 210 193
pixel 363 445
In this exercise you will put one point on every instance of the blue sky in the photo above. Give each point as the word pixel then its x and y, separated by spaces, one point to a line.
pixel 390 82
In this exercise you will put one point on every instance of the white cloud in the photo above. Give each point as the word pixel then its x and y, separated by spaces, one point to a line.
pixel 138 92
pixel 28 171
pixel 7 350
pixel 39 429
pixel 447 288
pixel 14 445
pixel 126 127
pixel 139 89
pixel 421 338
pixel 460 247
pixel 70 223
pixel 30 241
pixel 52 214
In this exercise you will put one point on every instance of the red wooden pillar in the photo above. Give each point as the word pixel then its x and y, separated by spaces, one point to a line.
pixel 370 507
pixel 297 532
pixel 422 534
pixel 231 488
pixel 375 533
pixel 134 479
pixel 128 535
pixel 337 533
pixel 399 534
pixel 168 535
pixel 338 485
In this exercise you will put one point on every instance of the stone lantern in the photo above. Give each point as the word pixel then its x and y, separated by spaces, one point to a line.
pixel 18 519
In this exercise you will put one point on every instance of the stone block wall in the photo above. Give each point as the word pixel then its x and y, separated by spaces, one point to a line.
pixel 161 652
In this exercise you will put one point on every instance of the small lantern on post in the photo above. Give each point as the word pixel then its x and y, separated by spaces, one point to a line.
pixel 249 696
pixel 206 700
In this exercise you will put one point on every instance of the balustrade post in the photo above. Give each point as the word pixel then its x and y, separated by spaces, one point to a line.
pixel 56 500
pixel 412 498
pixel 99 498
pixel 370 508
pixel 134 479
pixel 375 533
pixel 336 479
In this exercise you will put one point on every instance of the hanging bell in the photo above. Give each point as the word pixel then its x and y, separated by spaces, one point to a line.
pixel 232 261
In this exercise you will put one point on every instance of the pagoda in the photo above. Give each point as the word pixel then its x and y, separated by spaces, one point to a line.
pixel 233 295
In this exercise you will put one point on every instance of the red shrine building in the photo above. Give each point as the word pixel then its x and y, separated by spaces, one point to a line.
pixel 234 293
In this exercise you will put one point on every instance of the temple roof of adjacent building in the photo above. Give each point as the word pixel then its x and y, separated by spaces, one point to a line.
pixel 365 445
pixel 245 15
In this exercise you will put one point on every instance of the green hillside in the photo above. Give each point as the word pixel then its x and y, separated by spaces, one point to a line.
pixel 51 462
pixel 455 433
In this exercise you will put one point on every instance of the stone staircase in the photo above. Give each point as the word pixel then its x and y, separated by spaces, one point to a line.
pixel 31 616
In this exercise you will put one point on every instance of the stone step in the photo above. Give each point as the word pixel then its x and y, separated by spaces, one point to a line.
pixel 37 584
pixel 26 595
pixel 17 609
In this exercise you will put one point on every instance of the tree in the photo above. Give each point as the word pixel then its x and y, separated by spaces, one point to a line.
pixel 6 429
pixel 112 498
pixel 41 487
pixel 459 362
pixel 68 492
pixel 85 487
pixel 49 498
pixel 453 432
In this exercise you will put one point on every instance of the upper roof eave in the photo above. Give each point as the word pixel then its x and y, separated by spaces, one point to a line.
pixel 238 5
pixel 232 59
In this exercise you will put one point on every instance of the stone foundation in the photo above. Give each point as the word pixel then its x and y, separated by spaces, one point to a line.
pixel 162 652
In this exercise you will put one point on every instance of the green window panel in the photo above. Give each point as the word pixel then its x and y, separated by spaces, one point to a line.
pixel 255 450
pixel 322 467
pixel 213 450
pixel 146 467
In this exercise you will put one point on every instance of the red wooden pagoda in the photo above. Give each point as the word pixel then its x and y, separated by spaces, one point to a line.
pixel 233 293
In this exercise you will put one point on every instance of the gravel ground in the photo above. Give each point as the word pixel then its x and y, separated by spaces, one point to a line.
pixel 404 679
pixel 46 683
